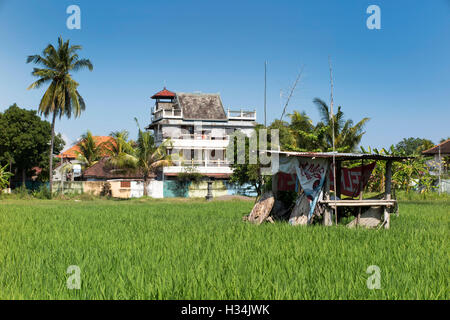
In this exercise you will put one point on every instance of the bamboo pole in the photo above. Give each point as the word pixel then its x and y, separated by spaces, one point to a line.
pixel 387 193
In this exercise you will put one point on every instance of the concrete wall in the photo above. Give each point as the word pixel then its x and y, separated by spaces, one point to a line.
pixel 445 185
pixel 199 190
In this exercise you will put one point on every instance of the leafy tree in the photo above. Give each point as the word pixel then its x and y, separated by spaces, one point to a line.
pixel 288 139
pixel 24 140
pixel 61 97
pixel 90 151
pixel 347 134
pixel 413 146
pixel 247 173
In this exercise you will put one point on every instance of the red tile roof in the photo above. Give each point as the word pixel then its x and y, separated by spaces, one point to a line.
pixel 71 153
pixel 444 146
pixel 164 94
pixel 101 170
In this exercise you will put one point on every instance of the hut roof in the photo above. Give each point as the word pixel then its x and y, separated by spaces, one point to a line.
pixel 339 156
pixel 444 146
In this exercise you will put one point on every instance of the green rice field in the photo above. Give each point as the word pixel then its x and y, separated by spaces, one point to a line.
pixel 193 249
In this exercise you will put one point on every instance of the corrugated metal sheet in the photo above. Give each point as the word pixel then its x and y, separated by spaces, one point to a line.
pixel 339 156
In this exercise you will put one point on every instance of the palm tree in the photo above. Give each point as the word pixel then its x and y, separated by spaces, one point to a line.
pixel 61 97
pixel 90 151
pixel 347 135
pixel 148 156
pixel 119 150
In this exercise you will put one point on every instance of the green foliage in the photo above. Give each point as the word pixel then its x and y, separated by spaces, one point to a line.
pixel 189 174
pixel 120 150
pixel 406 174
pixel 143 156
pixel 300 134
pixel 61 97
pixel 42 193
pixel 246 173
pixel 347 134
pixel 90 151
pixel 413 146
pixel 24 139
pixel 4 177
pixel 202 250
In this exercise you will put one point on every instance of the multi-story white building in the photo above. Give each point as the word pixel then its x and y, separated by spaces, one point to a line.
pixel 199 128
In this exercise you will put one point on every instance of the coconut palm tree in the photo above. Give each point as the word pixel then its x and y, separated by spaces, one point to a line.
pixel 61 97
pixel 90 151
pixel 347 135
pixel 148 156
pixel 120 151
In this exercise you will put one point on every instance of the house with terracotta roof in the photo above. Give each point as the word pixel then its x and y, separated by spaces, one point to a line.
pixel 70 168
pixel 199 127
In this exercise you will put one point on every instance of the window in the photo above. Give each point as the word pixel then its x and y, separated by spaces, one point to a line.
pixel 125 184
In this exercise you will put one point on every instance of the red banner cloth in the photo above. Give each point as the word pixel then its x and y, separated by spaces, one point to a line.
pixel 351 179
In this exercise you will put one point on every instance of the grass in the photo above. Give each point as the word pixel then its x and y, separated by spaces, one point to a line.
pixel 192 249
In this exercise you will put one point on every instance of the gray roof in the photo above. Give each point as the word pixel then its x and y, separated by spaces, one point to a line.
pixel 201 106
pixel 339 156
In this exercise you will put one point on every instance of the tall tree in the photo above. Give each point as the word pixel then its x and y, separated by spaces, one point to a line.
pixel 24 140
pixel 61 97
pixel 347 135
pixel 149 156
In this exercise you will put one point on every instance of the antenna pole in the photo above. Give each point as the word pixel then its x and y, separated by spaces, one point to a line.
pixel 265 93
pixel 332 129
pixel 292 91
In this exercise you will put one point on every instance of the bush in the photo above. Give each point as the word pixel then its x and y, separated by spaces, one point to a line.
pixel 42 193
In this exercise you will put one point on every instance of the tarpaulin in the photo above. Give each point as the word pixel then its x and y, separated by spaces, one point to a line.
pixel 311 174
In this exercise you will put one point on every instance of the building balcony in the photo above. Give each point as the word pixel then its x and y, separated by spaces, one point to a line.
pixel 196 141
pixel 199 166
pixel 166 114
pixel 241 115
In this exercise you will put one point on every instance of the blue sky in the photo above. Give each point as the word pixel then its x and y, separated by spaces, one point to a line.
pixel 398 76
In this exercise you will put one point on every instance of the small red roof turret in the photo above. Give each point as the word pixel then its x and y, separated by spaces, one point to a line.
pixel 164 94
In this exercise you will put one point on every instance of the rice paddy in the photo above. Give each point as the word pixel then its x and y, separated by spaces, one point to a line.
pixel 192 249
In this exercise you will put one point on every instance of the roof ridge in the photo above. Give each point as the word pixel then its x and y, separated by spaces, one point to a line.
pixel 440 144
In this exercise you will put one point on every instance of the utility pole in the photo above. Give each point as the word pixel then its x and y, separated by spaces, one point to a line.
pixel 334 154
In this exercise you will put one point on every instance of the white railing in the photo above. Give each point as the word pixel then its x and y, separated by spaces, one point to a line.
pixel 241 114
pixel 194 136
pixel 200 163
pixel 166 114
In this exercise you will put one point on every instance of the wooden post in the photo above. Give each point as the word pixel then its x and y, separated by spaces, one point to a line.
pixel 327 214
pixel 275 184
pixel 360 191
pixel 337 188
pixel 387 192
